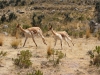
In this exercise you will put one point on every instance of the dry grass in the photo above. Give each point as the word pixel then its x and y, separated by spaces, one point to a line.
pixel 15 43
pixel 1 40
pixel 88 33
pixel 49 51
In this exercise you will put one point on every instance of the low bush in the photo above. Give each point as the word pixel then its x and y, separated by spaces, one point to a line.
pixel 3 53
pixel 95 56
pixel 54 56
pixel 23 60
pixel 36 72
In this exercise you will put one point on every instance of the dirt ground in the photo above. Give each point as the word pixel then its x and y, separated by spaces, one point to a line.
pixel 76 61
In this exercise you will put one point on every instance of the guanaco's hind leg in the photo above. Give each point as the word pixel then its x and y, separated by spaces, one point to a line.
pixel 33 38
pixel 61 43
pixel 66 41
pixel 42 38
pixel 69 39
pixel 55 41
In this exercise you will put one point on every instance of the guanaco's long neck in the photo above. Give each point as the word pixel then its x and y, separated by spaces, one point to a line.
pixel 53 32
pixel 22 29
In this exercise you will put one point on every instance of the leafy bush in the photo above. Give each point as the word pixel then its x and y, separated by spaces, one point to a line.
pixel 60 55
pixel 56 56
pixel 40 17
pixel 23 60
pixel 81 18
pixel 75 34
pixel 36 72
pixel 23 3
pixel 98 35
pixel 95 56
pixel 67 18
pixel 12 16
pixel 33 19
pixel 3 53
pixel 3 18
pixel 81 33
pixel 97 8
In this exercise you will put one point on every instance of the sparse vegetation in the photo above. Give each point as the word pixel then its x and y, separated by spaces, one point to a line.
pixel 98 35
pixel 3 53
pixel 81 34
pixel 70 15
pixel 54 56
pixel 23 60
pixel 12 16
pixel 36 72
pixel 95 56
pixel 97 8
pixel 75 34
pixel 49 51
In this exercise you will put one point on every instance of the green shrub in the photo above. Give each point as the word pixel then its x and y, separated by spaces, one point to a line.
pixel 26 26
pixel 98 35
pixel 97 8
pixel 23 60
pixel 3 53
pixel 56 56
pixel 12 16
pixel 59 56
pixel 36 72
pixel 81 34
pixel 3 18
pixel 67 18
pixel 81 18
pixel 95 56
pixel 76 34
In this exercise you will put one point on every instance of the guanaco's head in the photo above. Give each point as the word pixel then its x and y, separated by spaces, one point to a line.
pixel 50 27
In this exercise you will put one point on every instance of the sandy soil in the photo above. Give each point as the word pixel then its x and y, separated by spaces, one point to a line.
pixel 76 61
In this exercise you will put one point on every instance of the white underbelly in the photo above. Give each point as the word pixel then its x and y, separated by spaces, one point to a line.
pixel 28 34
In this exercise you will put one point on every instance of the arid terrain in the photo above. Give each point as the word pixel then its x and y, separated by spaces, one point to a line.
pixel 71 16
pixel 76 61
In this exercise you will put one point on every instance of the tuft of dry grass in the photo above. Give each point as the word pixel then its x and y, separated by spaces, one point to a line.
pixel 15 43
pixel 49 51
pixel 1 41
pixel 88 33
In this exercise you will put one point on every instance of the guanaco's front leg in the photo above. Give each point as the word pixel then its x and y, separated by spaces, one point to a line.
pixel 25 41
